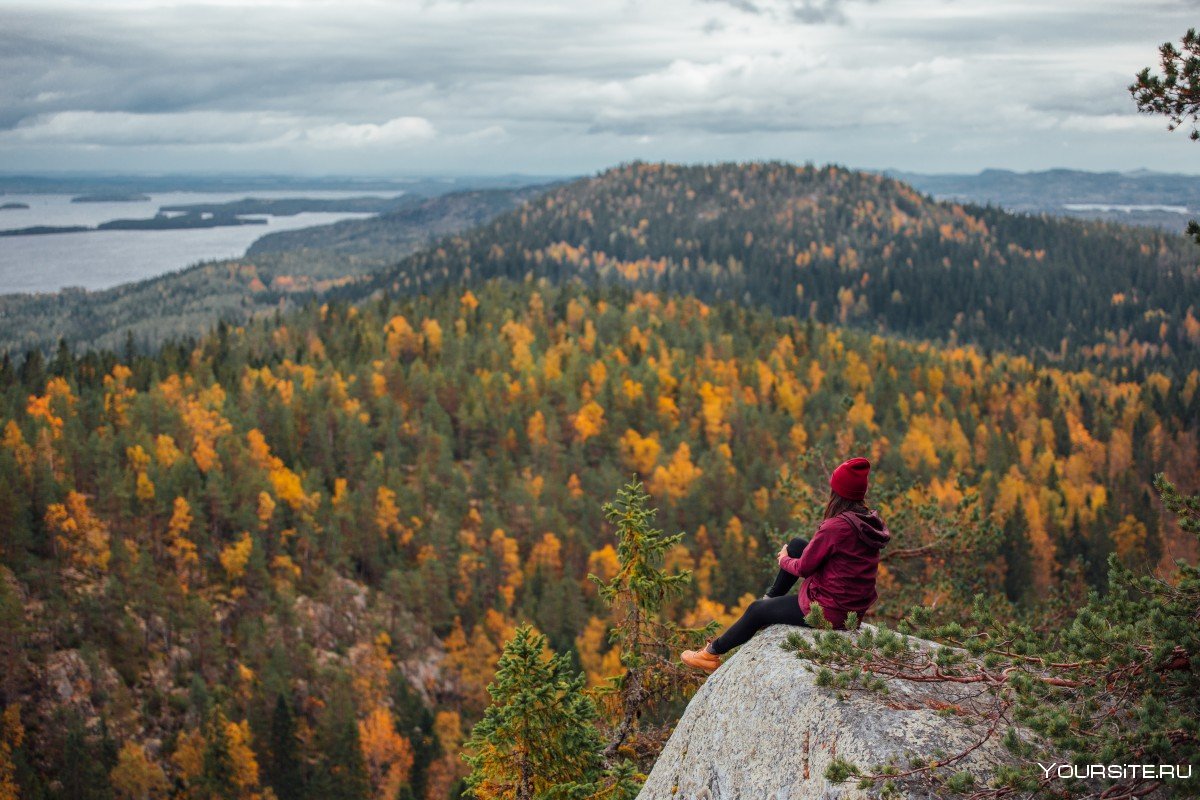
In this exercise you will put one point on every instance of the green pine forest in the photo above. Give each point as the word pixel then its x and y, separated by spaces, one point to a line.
pixel 283 559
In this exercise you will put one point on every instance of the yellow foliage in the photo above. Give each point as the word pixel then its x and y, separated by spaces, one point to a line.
pixel 339 492
pixel 589 421
pixel 798 437
pixel 862 413
pixel 604 563
pixel 12 735
pixel 547 554
pixel 265 510
pixel 632 390
pixel 370 665
pixel 402 340
pixel 762 499
pixel 506 552
pixel 14 441
pixel 668 411
pixel 387 754
pixel 597 372
pixel 640 452
pixel 1120 453
pixel 815 375
pixel 1129 538
pixel 181 549
pixel 287 484
pixel 81 537
pixel 431 332
pixel 471 660
pixel 917 450
pixel 188 757
pixel 856 372
pixel 137 458
pixel 144 490
pixel 675 480
pixel 715 402
pixel 165 451
pixel 387 516
pixel 43 407
pixel 117 394
pixel 520 338
pixel 705 611
pixel 245 765
pixel 599 664
pixel 234 557
pixel 136 777
pixel 535 429
pixel 286 571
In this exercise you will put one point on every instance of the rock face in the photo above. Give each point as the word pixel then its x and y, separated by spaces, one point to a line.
pixel 760 729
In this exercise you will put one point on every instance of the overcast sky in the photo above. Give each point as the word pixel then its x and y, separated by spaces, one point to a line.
pixel 494 86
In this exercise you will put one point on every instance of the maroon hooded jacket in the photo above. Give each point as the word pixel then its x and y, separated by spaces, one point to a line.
pixel 839 565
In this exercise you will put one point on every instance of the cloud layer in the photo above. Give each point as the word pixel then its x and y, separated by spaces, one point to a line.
pixel 455 86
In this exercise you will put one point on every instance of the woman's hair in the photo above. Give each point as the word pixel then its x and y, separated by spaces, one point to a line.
pixel 838 504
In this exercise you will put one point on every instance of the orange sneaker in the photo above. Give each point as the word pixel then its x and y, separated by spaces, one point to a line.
pixel 701 659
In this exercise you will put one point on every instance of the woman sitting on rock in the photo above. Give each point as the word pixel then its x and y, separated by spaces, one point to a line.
pixel 838 566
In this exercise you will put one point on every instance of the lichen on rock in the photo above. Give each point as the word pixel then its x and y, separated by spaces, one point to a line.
pixel 761 729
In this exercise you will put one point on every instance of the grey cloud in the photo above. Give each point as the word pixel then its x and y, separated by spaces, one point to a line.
pixel 812 12
pixel 517 84
pixel 804 12
pixel 740 5
pixel 101 67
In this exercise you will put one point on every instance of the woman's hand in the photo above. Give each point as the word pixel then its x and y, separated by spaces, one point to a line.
pixel 783 553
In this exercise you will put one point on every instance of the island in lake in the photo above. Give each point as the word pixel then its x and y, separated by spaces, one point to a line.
pixel 42 230
pixel 290 206
pixel 171 222
pixel 161 222
pixel 111 197
pixel 13 206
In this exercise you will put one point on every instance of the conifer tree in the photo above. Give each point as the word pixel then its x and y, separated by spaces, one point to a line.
pixel 648 644
pixel 283 772
pixel 342 773
pixel 415 721
pixel 217 778
pixel 538 737
pixel 1176 93
pixel 85 763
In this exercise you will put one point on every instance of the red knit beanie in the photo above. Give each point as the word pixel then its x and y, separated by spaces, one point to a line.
pixel 850 479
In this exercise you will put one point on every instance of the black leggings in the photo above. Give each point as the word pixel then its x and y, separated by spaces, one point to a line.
pixel 777 608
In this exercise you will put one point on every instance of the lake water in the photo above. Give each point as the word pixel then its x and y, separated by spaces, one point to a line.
pixel 1124 208
pixel 103 259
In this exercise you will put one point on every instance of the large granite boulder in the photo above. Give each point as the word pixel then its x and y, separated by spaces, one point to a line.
pixel 760 729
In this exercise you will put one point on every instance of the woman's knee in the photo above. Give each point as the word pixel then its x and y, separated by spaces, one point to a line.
pixel 755 609
pixel 795 548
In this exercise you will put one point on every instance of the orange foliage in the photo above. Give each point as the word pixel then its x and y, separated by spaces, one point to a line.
pixel 388 755
pixel 82 538
pixel 589 421
pixel 675 480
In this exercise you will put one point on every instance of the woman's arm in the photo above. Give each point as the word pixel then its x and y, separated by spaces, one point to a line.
pixel 787 563
pixel 823 543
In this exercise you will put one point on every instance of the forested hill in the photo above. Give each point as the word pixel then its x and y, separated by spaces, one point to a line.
pixel 847 247
pixel 299 546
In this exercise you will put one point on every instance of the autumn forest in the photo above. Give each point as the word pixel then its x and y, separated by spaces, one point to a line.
pixel 282 560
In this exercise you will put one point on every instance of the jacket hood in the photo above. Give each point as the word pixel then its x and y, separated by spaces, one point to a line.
pixel 870 528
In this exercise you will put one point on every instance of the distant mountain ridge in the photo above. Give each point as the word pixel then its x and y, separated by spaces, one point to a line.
pixel 1063 191
pixel 841 246
pixel 829 243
